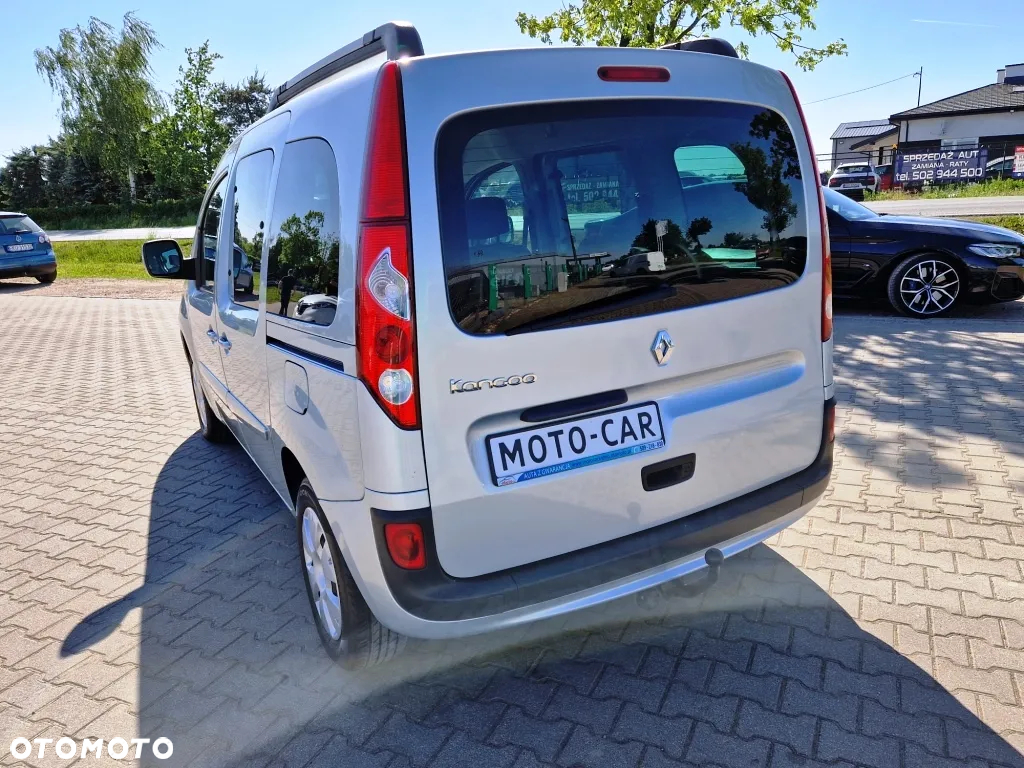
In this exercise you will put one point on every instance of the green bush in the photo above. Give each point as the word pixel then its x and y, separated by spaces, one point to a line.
pixel 160 213
pixel 991 188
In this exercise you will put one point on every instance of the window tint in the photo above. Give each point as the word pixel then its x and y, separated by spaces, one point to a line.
pixel 12 225
pixel 210 224
pixel 302 269
pixel 252 183
pixel 845 207
pixel 627 209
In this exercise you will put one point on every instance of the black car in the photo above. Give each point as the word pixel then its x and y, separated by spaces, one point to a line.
pixel 924 267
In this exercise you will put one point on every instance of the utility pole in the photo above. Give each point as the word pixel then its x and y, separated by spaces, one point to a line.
pixel 920 79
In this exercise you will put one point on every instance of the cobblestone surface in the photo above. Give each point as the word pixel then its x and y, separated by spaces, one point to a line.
pixel 149 586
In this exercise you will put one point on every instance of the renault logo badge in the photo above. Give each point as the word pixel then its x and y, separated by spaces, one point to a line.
pixel 662 347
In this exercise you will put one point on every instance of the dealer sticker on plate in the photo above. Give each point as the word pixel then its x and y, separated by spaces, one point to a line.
pixel 527 454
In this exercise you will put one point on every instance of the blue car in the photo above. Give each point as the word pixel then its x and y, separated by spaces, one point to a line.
pixel 25 250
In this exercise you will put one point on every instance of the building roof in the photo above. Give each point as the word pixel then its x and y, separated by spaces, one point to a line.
pixel 997 97
pixel 862 129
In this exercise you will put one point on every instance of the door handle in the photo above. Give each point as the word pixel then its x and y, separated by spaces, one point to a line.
pixel 223 341
pixel 212 335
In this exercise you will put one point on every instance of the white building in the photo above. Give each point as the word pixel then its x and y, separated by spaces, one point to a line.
pixel 866 140
pixel 991 117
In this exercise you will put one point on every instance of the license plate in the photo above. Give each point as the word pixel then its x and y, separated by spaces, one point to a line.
pixel 527 454
pixel 851 186
pixel 21 247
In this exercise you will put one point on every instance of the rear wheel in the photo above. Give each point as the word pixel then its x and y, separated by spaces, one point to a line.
pixel 212 428
pixel 49 277
pixel 925 286
pixel 348 630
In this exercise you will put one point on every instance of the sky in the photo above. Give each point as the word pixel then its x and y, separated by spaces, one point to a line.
pixel 959 45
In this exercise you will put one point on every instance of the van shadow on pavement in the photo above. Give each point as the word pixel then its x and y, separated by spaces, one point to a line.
pixel 765 669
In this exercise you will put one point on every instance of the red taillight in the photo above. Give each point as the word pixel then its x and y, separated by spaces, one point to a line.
pixel 405 545
pixel 634 74
pixel 826 249
pixel 385 338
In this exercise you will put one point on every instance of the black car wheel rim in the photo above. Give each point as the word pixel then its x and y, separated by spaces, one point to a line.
pixel 929 287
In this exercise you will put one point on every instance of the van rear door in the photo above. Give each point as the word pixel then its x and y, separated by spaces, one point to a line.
pixel 549 378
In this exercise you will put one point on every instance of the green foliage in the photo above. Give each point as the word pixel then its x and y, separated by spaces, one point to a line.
pixel 653 23
pixel 1012 221
pixel 992 188
pixel 161 213
pixel 104 258
pixel 185 146
pixel 239 106
pixel 107 101
pixel 21 182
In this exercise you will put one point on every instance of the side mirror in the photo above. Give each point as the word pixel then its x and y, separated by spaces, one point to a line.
pixel 163 258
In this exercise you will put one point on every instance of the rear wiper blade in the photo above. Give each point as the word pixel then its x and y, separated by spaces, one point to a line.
pixel 638 295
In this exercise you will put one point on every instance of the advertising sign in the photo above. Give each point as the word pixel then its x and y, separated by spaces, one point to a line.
pixel 578 190
pixel 1018 163
pixel 941 166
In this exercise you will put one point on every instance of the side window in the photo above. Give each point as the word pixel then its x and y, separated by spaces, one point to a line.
pixel 600 200
pixel 303 260
pixel 706 163
pixel 208 236
pixel 499 218
pixel 252 184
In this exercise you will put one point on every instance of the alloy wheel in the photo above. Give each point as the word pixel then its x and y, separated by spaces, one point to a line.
pixel 320 573
pixel 929 287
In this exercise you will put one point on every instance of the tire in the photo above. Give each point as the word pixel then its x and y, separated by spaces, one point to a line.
pixel 212 428
pixel 926 285
pixel 48 278
pixel 348 630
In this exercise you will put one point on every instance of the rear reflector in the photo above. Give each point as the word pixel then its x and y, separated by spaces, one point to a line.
pixel 826 248
pixel 634 74
pixel 405 545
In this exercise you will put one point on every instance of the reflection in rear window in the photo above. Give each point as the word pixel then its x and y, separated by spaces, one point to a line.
pixel 574 214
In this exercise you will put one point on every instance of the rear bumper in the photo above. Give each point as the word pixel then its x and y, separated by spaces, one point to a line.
pixel 31 265
pixel 593 575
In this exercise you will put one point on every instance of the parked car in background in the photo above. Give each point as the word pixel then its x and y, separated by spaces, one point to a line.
pixel 923 267
pixel 25 250
pixel 854 177
pixel 455 465
pixel 1000 168
pixel 640 263
pixel 885 176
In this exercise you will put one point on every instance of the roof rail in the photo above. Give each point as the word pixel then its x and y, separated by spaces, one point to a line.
pixel 714 45
pixel 399 39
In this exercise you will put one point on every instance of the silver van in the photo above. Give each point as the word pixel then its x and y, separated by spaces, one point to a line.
pixel 476 423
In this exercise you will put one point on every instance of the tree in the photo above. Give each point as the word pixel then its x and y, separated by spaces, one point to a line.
pixel 186 145
pixel 22 183
pixel 769 173
pixel 653 23
pixel 239 106
pixel 107 100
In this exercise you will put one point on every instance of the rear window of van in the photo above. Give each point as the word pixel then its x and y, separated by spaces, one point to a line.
pixel 555 216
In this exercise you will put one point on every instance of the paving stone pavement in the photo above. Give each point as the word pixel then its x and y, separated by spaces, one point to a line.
pixel 149 586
